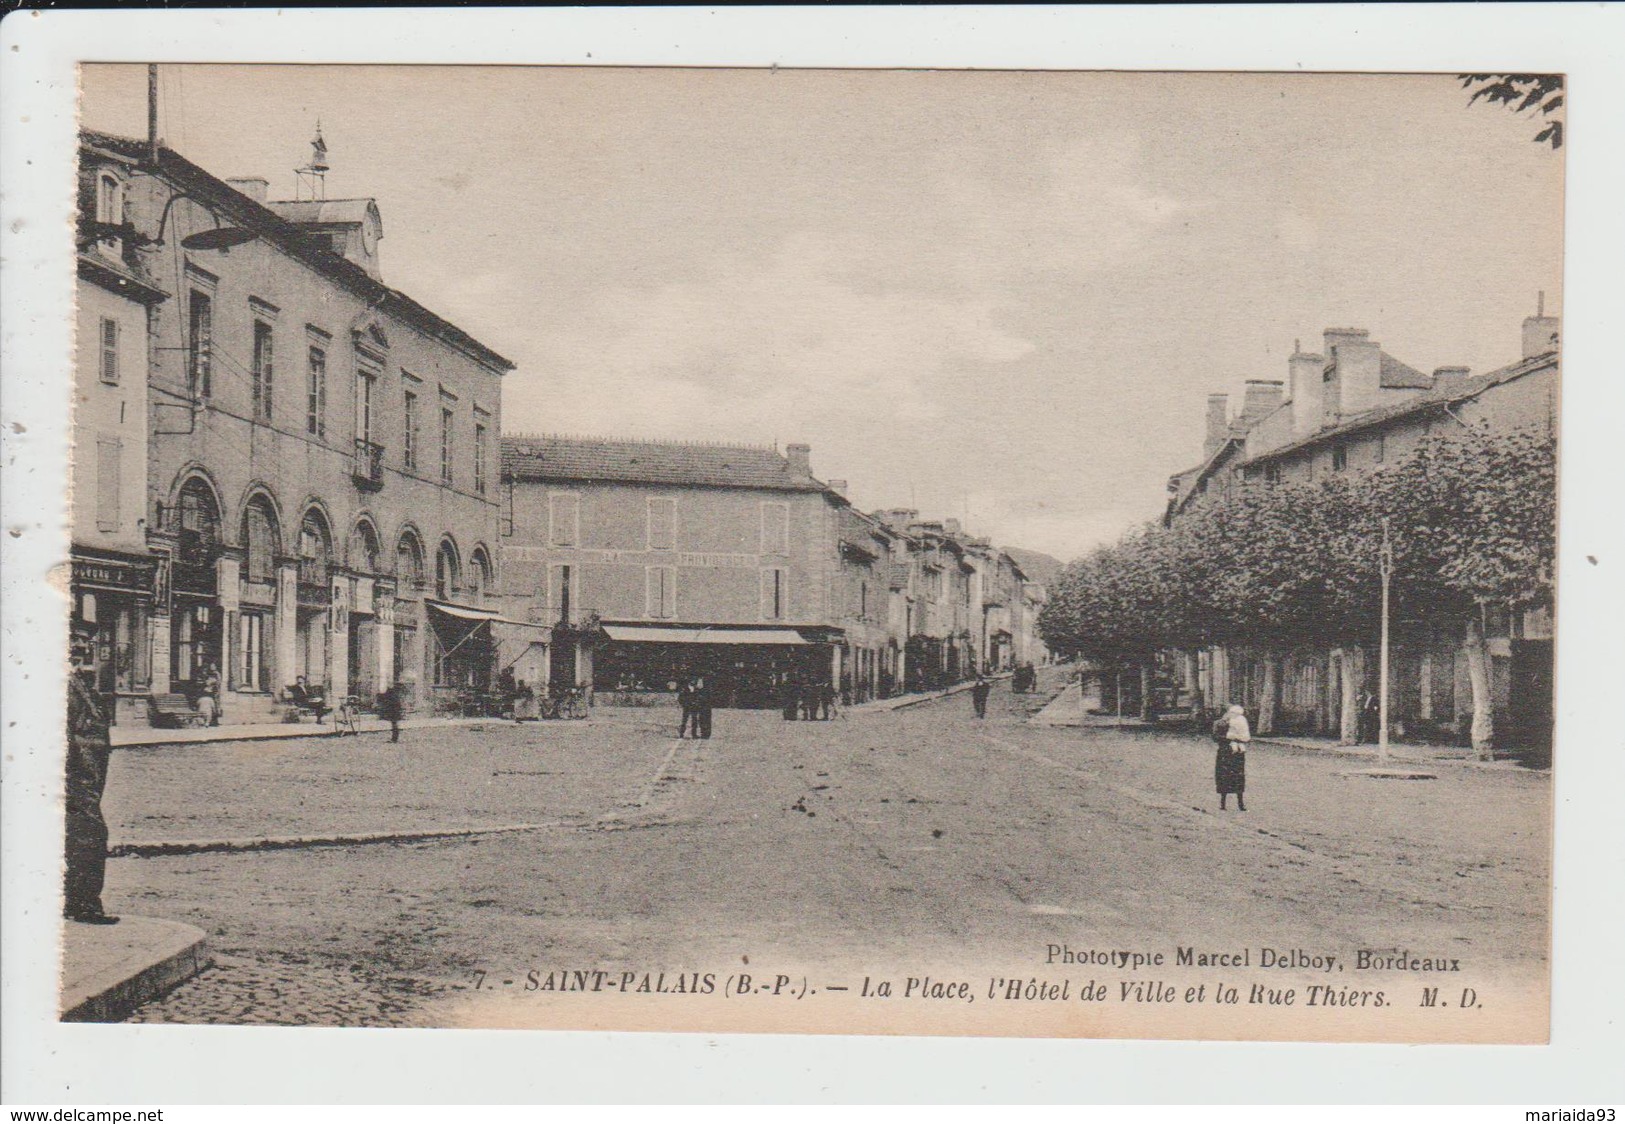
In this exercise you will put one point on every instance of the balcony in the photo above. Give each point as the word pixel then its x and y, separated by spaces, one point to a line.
pixel 315 592
pixel 367 469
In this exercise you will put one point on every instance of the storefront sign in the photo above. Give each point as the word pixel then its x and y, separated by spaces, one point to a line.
pixel 134 576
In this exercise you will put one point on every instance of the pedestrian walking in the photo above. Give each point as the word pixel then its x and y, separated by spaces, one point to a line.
pixel 391 708
pixel 702 706
pixel 685 699
pixel 90 746
pixel 208 703
pixel 979 693
pixel 1230 761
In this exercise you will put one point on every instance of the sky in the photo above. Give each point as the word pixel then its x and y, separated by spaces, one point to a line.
pixel 997 296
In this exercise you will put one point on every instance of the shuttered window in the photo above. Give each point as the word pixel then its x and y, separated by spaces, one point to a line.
pixel 775 594
pixel 109 351
pixel 107 483
pixel 662 523
pixel 661 591
pixel 775 528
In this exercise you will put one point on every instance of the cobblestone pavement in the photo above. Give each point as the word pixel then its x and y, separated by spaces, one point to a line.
pixel 903 840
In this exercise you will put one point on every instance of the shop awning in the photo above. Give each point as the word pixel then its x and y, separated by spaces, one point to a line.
pixel 485 616
pixel 637 634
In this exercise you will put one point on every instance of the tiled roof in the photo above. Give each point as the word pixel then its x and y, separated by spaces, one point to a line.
pixel 650 462
pixel 1446 393
pixel 293 240
pixel 1402 376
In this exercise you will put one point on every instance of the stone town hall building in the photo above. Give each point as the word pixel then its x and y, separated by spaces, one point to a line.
pixel 283 466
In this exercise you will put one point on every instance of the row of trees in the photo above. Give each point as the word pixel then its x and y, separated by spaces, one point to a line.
pixel 1471 519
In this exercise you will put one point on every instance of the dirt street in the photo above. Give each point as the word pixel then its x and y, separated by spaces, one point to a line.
pixel 894 846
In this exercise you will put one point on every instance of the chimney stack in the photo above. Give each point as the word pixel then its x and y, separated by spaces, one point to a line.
pixel 1263 398
pixel 1540 332
pixel 950 526
pixel 1444 377
pixel 898 518
pixel 1218 424
pixel 256 188
pixel 1356 382
pixel 838 487
pixel 800 458
pixel 1306 374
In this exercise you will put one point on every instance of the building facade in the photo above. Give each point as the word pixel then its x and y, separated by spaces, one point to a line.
pixel 652 561
pixel 320 475
pixel 1352 409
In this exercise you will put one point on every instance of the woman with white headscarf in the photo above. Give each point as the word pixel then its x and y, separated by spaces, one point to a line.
pixel 1230 765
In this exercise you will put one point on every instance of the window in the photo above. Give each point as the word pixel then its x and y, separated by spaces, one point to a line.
pixel 200 342
pixel 253 645
pixel 1272 474
pixel 479 458
pixel 109 199
pixel 863 601
pixel 316 394
pixel 446 417
pixel 409 562
pixel 662 523
pixel 661 589
pixel 775 528
pixel 448 578
pixel 259 533
pixel 563 518
pixel 107 483
pixel 409 439
pixel 775 594
pixel 1340 458
pixel 363 404
pixel 1379 450
pixel 109 351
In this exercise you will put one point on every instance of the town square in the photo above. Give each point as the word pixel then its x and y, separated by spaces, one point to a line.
pixel 807 552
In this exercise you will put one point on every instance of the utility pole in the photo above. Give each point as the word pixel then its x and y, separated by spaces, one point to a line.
pixel 1386 563
pixel 152 114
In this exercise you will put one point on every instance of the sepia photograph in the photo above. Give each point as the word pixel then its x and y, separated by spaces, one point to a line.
pixel 815 551
pixel 1029 555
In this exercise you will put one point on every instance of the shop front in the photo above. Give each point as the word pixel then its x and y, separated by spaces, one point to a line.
pixel 749 667
pixel 113 593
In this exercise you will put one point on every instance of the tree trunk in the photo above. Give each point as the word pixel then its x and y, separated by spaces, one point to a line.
pixel 1148 710
pixel 1269 699
pixel 1478 674
pixel 1353 663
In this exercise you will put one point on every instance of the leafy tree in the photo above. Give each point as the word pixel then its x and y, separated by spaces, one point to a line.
pixel 1522 93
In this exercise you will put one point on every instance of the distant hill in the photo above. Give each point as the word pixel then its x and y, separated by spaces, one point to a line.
pixel 1037 565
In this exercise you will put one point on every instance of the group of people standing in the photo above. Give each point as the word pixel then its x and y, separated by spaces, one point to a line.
pixel 694 696
pixel 809 701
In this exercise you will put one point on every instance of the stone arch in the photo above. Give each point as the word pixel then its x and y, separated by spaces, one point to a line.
pixel 410 557
pixel 448 568
pixel 364 550
pixel 482 574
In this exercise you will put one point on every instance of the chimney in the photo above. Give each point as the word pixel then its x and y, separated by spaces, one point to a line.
pixel 1540 332
pixel 838 487
pixel 255 187
pixel 1306 373
pixel 1356 382
pixel 1447 377
pixel 1263 397
pixel 1218 424
pixel 950 526
pixel 800 458
pixel 898 518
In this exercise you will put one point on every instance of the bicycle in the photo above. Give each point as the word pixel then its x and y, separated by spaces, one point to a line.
pixel 573 704
pixel 345 716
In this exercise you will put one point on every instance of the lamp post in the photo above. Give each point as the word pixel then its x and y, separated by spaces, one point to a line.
pixel 1385 562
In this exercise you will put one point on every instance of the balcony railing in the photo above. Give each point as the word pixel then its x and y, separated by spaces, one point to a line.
pixel 368 467
pixel 315 592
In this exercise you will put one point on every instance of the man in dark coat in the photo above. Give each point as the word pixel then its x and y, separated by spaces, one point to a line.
pixel 391 706
pixel 89 747
pixel 978 695
pixel 685 699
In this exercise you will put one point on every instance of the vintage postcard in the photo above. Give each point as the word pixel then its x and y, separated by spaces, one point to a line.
pixel 557 542
pixel 892 552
